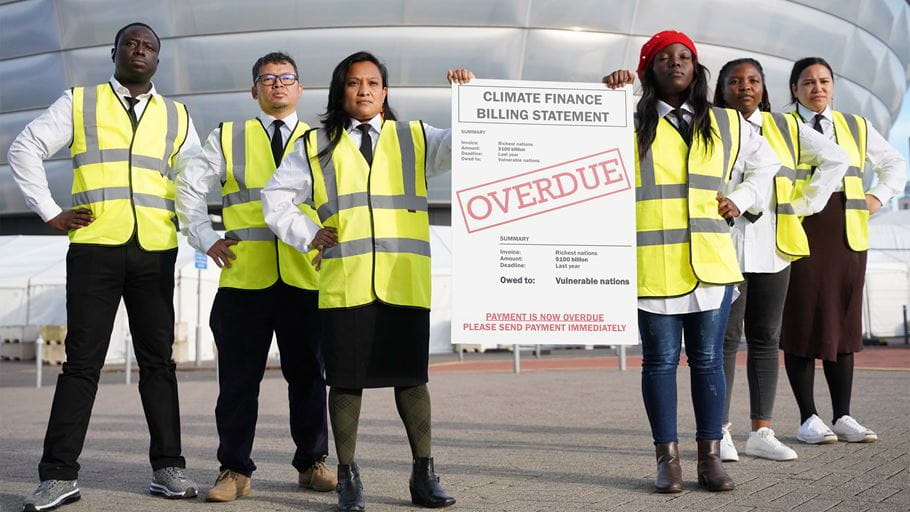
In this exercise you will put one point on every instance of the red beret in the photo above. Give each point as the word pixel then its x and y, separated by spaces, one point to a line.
pixel 658 42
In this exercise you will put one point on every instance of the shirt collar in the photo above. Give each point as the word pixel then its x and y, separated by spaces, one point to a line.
pixel 807 114
pixel 664 108
pixel 289 120
pixel 375 123
pixel 755 118
pixel 123 91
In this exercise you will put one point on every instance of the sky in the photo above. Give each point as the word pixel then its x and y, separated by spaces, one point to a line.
pixel 900 132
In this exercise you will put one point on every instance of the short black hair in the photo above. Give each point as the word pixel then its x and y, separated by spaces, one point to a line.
pixel 136 24
pixel 273 58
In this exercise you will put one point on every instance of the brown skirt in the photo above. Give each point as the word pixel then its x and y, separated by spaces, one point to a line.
pixel 823 312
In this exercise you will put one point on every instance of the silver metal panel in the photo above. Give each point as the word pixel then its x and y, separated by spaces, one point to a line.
pixel 31 82
pixel 24 29
pixel 569 56
pixel 583 15
pixel 95 23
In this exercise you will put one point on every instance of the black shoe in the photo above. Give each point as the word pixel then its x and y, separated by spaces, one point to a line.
pixel 425 488
pixel 350 488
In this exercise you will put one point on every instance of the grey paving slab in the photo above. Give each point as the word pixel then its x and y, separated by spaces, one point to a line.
pixel 549 440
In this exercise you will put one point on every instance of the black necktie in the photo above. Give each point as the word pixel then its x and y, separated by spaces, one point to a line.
pixel 277 144
pixel 818 123
pixel 132 110
pixel 682 125
pixel 366 143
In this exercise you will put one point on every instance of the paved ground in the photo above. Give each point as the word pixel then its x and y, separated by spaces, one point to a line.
pixel 566 436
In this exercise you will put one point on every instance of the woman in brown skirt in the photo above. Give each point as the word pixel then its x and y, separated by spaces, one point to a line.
pixel 822 315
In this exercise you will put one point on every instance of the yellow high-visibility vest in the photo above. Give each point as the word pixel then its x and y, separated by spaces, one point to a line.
pixel 682 240
pixel 124 176
pixel 850 133
pixel 782 133
pixel 380 212
pixel 262 259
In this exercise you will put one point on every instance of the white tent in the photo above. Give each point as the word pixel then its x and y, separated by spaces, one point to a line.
pixel 33 293
pixel 887 290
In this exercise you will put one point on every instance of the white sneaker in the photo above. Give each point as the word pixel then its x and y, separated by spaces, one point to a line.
pixel 763 444
pixel 851 431
pixel 814 431
pixel 727 448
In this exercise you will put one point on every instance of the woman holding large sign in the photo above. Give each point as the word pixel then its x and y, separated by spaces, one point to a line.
pixel 686 153
pixel 365 174
pixel 767 243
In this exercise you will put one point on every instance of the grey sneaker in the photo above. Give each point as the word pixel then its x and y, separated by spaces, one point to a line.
pixel 172 483
pixel 51 494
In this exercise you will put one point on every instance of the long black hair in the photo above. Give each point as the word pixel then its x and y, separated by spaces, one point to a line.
pixel 336 120
pixel 800 66
pixel 764 105
pixel 696 95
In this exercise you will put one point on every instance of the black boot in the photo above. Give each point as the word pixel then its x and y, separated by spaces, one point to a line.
pixel 425 488
pixel 350 489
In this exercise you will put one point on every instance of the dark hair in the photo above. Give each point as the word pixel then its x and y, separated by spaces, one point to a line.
pixel 335 120
pixel 764 105
pixel 273 58
pixel 800 66
pixel 696 95
pixel 136 24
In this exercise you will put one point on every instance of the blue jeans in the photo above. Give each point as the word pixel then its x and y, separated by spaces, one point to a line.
pixel 660 344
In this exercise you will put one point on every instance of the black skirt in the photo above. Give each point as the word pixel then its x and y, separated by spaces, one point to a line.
pixel 823 313
pixel 376 346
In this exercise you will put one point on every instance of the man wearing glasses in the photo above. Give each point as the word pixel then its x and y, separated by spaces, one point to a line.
pixel 266 286
pixel 126 143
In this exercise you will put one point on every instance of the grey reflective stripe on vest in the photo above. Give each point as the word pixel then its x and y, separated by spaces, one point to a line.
pixel 387 245
pixel 786 172
pixel 781 121
pixel 785 209
pixel 238 155
pixel 803 174
pixel 853 171
pixel 649 189
pixel 251 235
pixel 358 199
pixel 854 131
pixel 328 177
pixel 241 196
pixel 408 166
pixel 98 195
pixel 664 237
pixel 153 201
pixel 723 126
pixel 856 204
pixel 699 225
pixel 702 182
pixel 170 138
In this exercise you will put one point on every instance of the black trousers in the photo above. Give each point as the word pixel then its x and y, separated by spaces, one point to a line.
pixel 96 278
pixel 243 322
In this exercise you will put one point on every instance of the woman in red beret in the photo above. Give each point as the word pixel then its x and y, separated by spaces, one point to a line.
pixel 696 170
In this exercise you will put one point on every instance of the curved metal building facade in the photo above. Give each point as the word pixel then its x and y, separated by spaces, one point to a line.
pixel 208 47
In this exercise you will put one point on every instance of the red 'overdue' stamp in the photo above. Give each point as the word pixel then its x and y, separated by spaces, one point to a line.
pixel 543 190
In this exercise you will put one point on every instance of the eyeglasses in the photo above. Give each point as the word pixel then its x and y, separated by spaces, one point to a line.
pixel 269 80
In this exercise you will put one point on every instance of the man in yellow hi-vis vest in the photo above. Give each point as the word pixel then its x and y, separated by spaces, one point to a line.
pixel 127 143
pixel 266 285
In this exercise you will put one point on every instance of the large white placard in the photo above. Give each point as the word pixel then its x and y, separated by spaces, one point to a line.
pixel 543 214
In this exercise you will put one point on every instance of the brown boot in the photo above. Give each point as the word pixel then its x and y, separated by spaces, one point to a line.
pixel 669 472
pixel 711 473
pixel 319 477
pixel 229 486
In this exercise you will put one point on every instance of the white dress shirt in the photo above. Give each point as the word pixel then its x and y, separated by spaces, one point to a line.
pixel 52 131
pixel 206 173
pixel 756 242
pixel 753 171
pixel 888 165
pixel 292 183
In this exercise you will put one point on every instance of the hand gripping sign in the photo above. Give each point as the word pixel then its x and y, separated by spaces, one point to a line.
pixel 543 208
